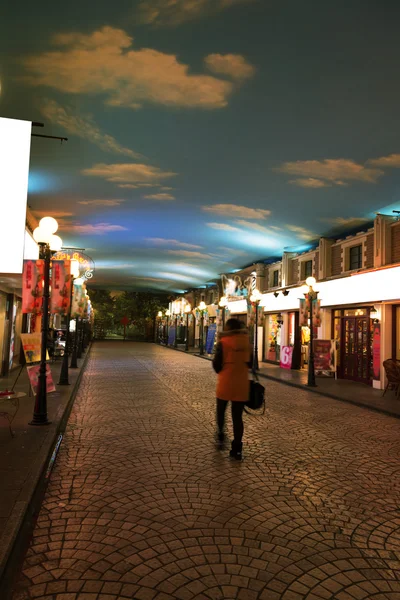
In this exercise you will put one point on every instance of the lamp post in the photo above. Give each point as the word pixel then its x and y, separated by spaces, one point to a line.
pixel 223 303
pixel 159 323
pixel 74 356
pixel 312 295
pixel 203 309
pixel 176 331
pixel 64 376
pixel 188 310
pixel 167 314
pixel 255 299
pixel 48 243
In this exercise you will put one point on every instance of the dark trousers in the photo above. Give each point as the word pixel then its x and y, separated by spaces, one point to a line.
pixel 237 418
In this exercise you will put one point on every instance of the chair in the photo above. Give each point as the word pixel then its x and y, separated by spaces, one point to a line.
pixel 5 414
pixel 392 370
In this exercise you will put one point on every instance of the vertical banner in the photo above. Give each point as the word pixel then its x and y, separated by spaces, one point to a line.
pixel 78 302
pixel 60 287
pixel 210 341
pixel 317 313
pixel 376 352
pixel 32 286
pixel 260 316
pixel 303 312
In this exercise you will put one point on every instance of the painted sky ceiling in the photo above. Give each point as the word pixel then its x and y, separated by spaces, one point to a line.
pixel 207 134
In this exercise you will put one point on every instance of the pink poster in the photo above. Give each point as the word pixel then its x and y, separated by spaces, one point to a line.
pixel 286 357
pixel 376 352
pixel 33 374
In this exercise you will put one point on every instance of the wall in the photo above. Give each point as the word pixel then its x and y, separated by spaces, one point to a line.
pixel 396 243
pixel 336 260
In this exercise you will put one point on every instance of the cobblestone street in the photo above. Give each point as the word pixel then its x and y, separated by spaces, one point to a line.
pixel 142 505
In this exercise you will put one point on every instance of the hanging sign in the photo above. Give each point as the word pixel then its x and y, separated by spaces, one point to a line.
pixel 210 340
pixel 86 264
pixel 286 357
pixel 324 356
pixel 60 298
pixel 32 286
pixel 376 352
pixel 33 374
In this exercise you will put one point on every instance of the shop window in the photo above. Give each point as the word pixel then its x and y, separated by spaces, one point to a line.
pixel 275 280
pixel 355 257
pixel 273 340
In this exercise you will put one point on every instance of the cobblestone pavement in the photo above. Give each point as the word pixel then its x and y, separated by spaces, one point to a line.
pixel 142 505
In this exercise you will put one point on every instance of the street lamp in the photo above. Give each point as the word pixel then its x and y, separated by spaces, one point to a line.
pixel 255 299
pixel 312 295
pixel 203 309
pixel 48 244
pixel 223 303
pixel 167 314
pixel 64 376
pixel 75 349
pixel 188 310
pixel 159 322
pixel 176 330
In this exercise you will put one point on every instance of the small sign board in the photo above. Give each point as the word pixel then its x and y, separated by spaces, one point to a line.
pixel 286 357
pixel 33 374
pixel 32 343
pixel 210 341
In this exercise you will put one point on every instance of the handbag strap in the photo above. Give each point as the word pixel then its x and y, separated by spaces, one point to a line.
pixel 254 373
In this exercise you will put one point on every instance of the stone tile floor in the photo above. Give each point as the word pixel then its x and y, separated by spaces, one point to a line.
pixel 142 505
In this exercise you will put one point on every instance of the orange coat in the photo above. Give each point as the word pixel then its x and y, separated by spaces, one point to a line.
pixel 233 379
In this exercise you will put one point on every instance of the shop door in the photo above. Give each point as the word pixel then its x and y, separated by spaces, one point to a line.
pixel 356 349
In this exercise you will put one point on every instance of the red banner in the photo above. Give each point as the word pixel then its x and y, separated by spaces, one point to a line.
pixel 32 286
pixel 60 287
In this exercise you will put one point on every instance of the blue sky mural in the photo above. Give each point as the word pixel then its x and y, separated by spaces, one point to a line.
pixel 208 134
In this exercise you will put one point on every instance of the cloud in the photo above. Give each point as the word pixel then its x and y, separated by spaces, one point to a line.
pixel 104 63
pixel 233 210
pixel 232 251
pixel 128 173
pixel 234 66
pixel 160 196
pixel 129 186
pixel 301 232
pixel 55 214
pixel 101 202
pixel 84 127
pixel 346 222
pixel 177 243
pixel 188 254
pixel 330 171
pixel 176 12
pixel 309 183
pixel 393 161
pixel 222 227
pixel 97 229
pixel 255 226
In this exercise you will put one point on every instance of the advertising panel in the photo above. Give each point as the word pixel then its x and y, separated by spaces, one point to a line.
pixel 324 356
pixel 211 332
pixel 376 352
pixel 286 357
pixel 33 374
pixel 15 147
pixel 32 286
pixel 60 298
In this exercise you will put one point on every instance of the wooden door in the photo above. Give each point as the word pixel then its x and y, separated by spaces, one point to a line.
pixel 356 351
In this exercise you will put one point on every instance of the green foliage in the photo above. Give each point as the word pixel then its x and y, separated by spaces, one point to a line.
pixel 141 308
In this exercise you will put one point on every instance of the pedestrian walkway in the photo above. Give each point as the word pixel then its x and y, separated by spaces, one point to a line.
pixel 24 456
pixel 141 505
pixel 356 393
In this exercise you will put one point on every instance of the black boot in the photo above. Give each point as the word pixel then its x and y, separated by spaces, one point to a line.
pixel 220 438
pixel 236 451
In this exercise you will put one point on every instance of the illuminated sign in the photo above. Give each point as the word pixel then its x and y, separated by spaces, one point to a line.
pixel 86 264
pixel 15 147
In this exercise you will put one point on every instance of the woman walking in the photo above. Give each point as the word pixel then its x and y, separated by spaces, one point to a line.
pixel 231 361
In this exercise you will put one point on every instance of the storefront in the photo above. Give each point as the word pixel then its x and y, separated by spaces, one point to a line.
pixel 352 330
pixel 272 337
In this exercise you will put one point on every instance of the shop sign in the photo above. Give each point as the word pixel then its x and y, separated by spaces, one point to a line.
pixel 31 344
pixel 234 287
pixel 86 264
pixel 286 357
pixel 32 286
pixel 324 355
pixel 376 352
pixel 210 341
pixel 60 298
pixel 33 374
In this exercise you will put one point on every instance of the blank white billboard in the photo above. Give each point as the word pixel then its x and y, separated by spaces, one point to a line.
pixel 15 147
